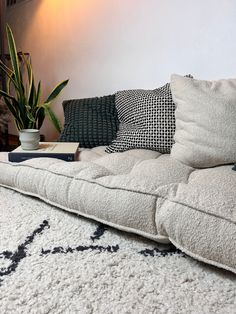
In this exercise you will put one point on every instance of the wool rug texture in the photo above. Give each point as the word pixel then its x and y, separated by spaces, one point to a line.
pixel 52 261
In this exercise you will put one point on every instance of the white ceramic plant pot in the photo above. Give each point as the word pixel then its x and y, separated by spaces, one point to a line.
pixel 29 139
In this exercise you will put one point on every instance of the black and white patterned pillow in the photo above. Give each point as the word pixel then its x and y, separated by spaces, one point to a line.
pixel 147 120
pixel 90 121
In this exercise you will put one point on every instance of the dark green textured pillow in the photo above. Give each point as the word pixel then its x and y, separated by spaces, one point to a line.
pixel 90 121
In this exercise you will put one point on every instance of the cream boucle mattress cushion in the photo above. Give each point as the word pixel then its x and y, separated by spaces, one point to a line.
pixel 140 191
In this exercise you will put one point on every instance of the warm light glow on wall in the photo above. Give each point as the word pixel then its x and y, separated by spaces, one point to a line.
pixel 51 6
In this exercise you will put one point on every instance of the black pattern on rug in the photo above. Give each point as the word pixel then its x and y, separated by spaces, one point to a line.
pixel 81 248
pixel 157 252
pixel 20 253
pixel 99 232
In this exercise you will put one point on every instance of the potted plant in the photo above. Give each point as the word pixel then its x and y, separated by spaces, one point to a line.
pixel 23 97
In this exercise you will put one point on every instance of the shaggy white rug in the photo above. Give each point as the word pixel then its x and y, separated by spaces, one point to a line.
pixel 55 262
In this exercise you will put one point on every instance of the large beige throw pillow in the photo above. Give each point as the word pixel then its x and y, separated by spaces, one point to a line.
pixel 205 121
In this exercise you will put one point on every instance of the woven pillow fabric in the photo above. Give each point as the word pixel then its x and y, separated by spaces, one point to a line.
pixel 147 120
pixel 91 121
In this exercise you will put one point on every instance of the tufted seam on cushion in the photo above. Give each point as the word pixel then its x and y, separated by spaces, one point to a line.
pixel 194 208
pixel 78 179
pixel 118 188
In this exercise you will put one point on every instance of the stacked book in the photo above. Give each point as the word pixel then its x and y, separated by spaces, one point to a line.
pixel 64 151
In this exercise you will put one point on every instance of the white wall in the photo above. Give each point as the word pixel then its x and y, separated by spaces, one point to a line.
pixel 106 45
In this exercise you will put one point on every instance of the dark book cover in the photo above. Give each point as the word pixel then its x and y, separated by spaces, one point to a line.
pixel 64 151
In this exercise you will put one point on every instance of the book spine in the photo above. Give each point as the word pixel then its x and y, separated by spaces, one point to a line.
pixel 18 157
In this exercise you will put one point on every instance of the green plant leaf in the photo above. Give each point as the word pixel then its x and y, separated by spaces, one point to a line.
pixel 9 82
pixel 32 90
pixel 19 87
pixel 32 94
pixel 38 95
pixel 40 117
pixel 4 94
pixel 28 67
pixel 10 106
pixel 22 87
pixel 14 110
pixel 39 111
pixel 13 55
pixel 10 75
pixel 52 117
pixel 4 67
pixel 56 91
pixel 30 116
